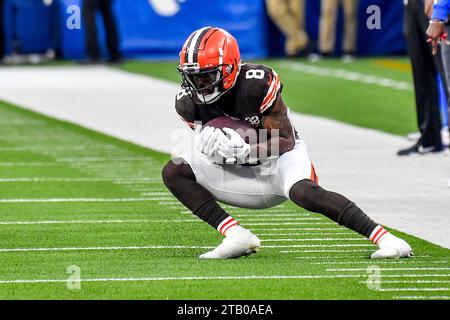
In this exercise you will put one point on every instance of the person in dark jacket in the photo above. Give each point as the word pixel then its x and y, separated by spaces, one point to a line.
pixel 90 7
pixel 2 32
pixel 425 68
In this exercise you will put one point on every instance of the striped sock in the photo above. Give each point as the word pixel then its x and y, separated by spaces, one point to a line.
pixel 226 225
pixel 377 234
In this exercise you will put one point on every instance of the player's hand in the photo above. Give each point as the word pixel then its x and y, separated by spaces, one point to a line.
pixel 206 140
pixel 233 147
pixel 436 34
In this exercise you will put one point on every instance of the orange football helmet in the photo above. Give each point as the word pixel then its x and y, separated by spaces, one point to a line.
pixel 210 62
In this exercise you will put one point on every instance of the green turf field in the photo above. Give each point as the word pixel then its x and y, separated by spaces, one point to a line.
pixel 372 99
pixel 73 198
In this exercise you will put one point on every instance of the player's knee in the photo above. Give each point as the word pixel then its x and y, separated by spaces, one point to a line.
pixel 174 172
pixel 306 193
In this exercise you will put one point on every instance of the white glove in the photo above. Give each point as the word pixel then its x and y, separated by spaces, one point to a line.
pixel 232 148
pixel 206 140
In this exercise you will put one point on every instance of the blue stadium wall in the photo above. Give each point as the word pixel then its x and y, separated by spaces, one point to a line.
pixel 156 29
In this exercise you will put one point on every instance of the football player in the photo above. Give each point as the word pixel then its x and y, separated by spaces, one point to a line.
pixel 215 84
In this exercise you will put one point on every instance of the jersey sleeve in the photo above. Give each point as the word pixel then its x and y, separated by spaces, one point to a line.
pixel 263 87
pixel 271 92
pixel 185 108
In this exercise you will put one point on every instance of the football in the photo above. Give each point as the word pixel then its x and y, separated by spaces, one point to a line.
pixel 245 130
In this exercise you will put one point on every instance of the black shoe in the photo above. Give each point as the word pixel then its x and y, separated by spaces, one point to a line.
pixel 418 149
pixel 90 62
pixel 304 52
pixel 116 61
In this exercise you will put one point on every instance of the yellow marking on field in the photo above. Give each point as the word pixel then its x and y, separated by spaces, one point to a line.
pixel 395 65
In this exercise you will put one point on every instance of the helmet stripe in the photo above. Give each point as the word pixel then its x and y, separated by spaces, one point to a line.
pixel 187 45
pixel 197 40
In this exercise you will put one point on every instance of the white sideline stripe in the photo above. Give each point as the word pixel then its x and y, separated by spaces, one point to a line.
pixel 129 180
pixel 91 221
pixel 390 269
pixel 314 239
pixel 421 297
pixel 79 200
pixel 193 278
pixel 413 289
pixel 347 75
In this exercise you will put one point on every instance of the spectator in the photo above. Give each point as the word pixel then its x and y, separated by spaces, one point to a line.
pixel 425 71
pixel 2 35
pixel 112 39
pixel 438 27
pixel 289 16
pixel 327 28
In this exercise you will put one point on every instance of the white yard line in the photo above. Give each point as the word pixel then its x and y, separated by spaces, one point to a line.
pixel 99 248
pixel 389 262
pixel 191 278
pixel 135 248
pixel 288 224
pixel 296 229
pixel 350 259
pixel 57 179
pixel 272 215
pixel 256 218
pixel 57 148
pixel 106 159
pixel 407 281
pixel 421 297
pixel 79 200
pixel 314 239
pixel 322 251
pixel 306 234
pixel 341 245
pixel 346 75
pixel 391 269
pixel 30 164
pixel 413 289
pixel 116 221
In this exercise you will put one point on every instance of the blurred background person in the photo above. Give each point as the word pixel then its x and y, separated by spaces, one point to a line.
pixel 438 31
pixel 425 69
pixel 2 32
pixel 327 27
pixel 289 16
pixel 90 7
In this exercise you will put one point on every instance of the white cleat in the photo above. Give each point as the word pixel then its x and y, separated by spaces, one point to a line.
pixel 392 247
pixel 239 242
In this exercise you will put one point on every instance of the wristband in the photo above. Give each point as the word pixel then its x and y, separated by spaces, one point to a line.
pixel 435 21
